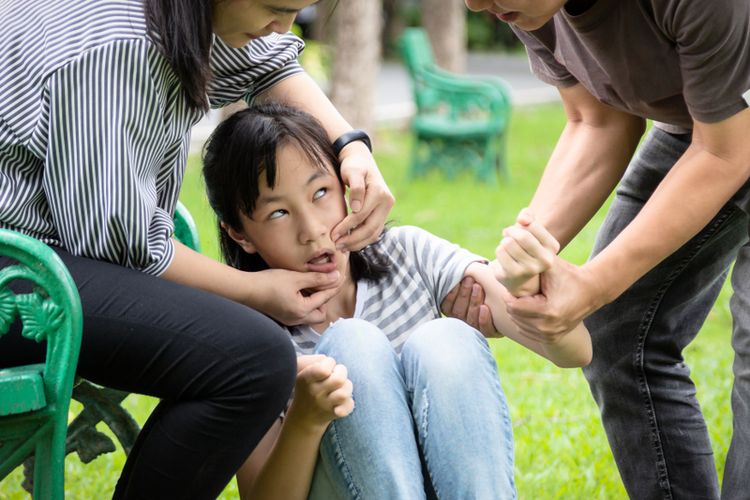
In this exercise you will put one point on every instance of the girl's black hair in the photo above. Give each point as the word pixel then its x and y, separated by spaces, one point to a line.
pixel 241 149
pixel 183 31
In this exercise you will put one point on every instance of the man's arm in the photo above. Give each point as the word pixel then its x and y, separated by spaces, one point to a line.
pixel 589 159
pixel 712 169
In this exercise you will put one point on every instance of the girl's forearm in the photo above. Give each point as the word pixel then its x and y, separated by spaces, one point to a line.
pixel 289 469
pixel 571 350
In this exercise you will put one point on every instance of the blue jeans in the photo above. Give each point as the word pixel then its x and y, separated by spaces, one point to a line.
pixel 638 375
pixel 438 408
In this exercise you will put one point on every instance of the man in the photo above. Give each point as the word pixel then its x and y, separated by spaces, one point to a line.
pixel 678 221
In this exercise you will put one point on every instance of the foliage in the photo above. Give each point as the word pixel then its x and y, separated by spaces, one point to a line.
pixel 561 449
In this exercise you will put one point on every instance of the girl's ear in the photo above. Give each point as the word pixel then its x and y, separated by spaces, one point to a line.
pixel 239 238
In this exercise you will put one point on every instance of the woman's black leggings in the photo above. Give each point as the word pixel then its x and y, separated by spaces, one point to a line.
pixel 222 370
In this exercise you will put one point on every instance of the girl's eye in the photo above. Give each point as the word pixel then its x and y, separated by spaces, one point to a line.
pixel 320 193
pixel 277 213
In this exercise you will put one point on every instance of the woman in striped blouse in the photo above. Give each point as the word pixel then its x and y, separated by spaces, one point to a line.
pixel 98 99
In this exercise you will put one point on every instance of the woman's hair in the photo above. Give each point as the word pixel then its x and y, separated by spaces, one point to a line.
pixel 241 149
pixel 183 31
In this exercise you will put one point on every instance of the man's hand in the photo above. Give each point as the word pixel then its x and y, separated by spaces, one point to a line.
pixel 370 200
pixel 568 294
pixel 466 302
pixel 295 298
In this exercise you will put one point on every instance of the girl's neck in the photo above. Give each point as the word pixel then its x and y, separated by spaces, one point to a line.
pixel 341 305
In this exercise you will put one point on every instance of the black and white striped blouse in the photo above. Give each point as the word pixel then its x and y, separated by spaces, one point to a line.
pixel 95 129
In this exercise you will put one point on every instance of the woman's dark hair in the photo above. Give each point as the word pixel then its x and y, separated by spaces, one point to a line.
pixel 183 31
pixel 241 149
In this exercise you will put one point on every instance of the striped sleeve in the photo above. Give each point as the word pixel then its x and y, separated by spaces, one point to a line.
pixel 245 72
pixel 105 149
pixel 440 263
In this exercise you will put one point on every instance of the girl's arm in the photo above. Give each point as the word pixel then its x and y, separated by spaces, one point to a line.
pixel 568 351
pixel 527 250
pixel 283 463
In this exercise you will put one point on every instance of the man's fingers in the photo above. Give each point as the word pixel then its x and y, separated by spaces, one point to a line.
pixel 461 304
pixel 486 326
pixel 475 302
pixel 447 305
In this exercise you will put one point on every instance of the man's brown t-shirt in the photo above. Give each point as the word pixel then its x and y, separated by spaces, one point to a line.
pixel 667 60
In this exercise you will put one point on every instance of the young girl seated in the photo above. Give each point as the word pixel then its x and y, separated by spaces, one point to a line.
pixel 424 409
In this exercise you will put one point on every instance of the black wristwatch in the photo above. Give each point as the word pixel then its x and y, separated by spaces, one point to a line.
pixel 351 136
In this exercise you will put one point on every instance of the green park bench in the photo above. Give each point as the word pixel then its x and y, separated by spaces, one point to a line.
pixel 34 400
pixel 460 121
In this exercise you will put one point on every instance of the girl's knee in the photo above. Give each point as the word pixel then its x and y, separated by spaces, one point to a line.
pixel 446 342
pixel 356 343
pixel 444 334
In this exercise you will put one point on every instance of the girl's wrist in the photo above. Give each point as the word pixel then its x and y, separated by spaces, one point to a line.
pixel 301 421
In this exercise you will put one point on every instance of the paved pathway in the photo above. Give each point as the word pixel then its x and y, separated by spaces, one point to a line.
pixel 394 102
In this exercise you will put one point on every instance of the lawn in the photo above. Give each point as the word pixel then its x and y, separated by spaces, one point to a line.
pixel 561 449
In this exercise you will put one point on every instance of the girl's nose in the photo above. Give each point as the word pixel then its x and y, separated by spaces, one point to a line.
pixel 311 229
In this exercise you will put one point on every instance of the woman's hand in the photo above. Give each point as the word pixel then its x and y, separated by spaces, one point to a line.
pixel 370 200
pixel 294 298
pixel 322 392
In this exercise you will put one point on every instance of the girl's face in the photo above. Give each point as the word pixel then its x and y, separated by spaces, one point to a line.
pixel 527 15
pixel 237 22
pixel 291 225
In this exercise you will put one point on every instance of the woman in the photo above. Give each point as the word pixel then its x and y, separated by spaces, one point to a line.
pixel 98 100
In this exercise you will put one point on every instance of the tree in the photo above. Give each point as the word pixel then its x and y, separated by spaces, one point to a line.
pixel 356 59
pixel 445 22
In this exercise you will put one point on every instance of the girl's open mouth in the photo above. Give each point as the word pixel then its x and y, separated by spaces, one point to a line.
pixel 322 263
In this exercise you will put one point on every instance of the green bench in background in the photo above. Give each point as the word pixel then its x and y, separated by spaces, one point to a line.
pixel 34 400
pixel 460 121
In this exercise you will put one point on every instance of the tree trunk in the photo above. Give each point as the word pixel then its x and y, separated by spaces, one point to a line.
pixel 445 22
pixel 356 60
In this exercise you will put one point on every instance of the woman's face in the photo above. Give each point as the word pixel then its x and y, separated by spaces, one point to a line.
pixel 237 22
pixel 527 15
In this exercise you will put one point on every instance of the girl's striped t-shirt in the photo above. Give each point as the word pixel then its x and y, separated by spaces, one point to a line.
pixel 95 127
pixel 423 269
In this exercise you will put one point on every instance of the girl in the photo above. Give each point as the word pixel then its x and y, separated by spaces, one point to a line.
pixel 97 103
pixel 426 388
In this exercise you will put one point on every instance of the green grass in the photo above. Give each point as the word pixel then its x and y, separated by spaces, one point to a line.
pixel 561 449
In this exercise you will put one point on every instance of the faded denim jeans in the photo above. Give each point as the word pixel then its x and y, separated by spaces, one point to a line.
pixel 434 421
pixel 638 376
